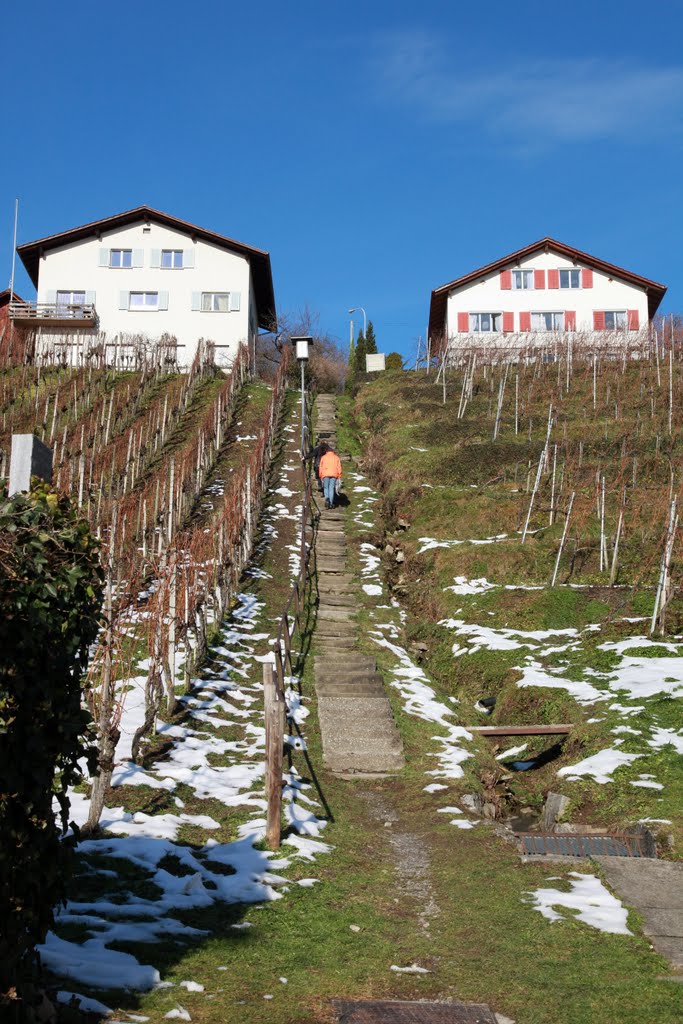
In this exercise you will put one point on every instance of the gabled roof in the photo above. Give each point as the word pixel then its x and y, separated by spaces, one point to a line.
pixel 259 260
pixel 5 296
pixel 437 309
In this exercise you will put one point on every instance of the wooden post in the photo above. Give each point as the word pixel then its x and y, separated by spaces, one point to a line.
pixel 275 726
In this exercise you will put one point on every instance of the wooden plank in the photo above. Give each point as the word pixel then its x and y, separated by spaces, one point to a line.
pixel 521 730
pixel 275 723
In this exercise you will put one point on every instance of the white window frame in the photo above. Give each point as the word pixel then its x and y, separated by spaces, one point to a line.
pixel 569 271
pixel 66 299
pixel 143 307
pixel 522 280
pixel 557 320
pixel 210 298
pixel 476 321
pixel 175 254
pixel 121 253
pixel 614 313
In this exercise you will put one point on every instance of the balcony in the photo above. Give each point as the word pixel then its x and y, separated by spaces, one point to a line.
pixel 53 314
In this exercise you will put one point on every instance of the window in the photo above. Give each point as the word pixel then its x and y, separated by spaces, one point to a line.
pixel 121 258
pixel 570 279
pixel 522 279
pixel 171 259
pixel 616 320
pixel 70 298
pixel 215 302
pixel 143 300
pixel 486 322
pixel 547 321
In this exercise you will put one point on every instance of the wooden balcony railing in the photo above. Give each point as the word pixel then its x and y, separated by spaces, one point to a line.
pixel 53 313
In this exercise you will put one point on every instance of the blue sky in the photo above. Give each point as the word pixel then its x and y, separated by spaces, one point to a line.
pixel 376 149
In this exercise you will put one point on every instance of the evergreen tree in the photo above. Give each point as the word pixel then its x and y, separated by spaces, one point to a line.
pixel 370 340
pixel 361 352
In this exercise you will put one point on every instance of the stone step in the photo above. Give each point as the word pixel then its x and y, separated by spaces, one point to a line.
pixel 337 565
pixel 349 722
pixel 366 762
pixel 335 645
pixel 332 629
pixel 331 600
pixel 356 663
pixel 331 543
pixel 335 614
pixel 372 683
pixel 359 673
pixel 372 691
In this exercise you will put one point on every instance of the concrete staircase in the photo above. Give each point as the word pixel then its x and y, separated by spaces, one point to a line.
pixel 359 734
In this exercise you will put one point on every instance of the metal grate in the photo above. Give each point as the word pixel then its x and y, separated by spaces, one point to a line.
pixel 568 844
pixel 392 1012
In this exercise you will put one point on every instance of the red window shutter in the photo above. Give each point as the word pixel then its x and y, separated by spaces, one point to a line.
pixel 539 279
pixel 553 279
pixel 633 322
pixel 463 322
pixel 525 321
pixel 506 280
pixel 570 319
pixel 586 278
pixel 598 320
pixel 508 322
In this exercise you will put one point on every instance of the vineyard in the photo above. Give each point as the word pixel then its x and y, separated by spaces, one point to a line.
pixel 153 461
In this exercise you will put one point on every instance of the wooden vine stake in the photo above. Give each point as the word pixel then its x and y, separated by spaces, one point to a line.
pixel 663 586
pixel 564 536
pixel 275 727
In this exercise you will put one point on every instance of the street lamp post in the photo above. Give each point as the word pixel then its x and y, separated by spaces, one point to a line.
pixel 365 319
pixel 301 345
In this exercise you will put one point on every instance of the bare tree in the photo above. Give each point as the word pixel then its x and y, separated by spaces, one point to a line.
pixel 327 363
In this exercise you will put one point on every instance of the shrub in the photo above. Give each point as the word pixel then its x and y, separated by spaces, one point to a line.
pixel 394 361
pixel 50 599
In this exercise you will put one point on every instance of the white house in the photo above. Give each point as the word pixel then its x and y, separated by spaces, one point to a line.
pixel 145 273
pixel 543 288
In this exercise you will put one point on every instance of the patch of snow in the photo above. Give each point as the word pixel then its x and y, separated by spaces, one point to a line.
pixel 599 766
pixel 592 903
pixel 511 752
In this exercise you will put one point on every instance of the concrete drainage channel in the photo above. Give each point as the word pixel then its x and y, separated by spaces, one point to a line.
pixel 395 1012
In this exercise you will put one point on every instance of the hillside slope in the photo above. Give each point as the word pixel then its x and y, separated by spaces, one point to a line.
pixel 471 551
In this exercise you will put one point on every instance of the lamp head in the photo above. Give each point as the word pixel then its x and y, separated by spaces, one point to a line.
pixel 301 345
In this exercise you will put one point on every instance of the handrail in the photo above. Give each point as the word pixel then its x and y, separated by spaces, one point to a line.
pixel 283 640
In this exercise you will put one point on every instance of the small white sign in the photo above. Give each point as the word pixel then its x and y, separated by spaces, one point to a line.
pixel 375 362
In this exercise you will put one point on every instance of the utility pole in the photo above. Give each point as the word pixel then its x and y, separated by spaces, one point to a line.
pixel 14 249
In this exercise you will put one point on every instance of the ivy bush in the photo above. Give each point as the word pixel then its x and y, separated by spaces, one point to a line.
pixel 50 601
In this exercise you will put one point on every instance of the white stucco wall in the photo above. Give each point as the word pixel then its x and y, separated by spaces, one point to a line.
pixel 486 296
pixel 76 267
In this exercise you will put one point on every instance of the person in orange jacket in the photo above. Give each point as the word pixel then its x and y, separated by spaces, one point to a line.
pixel 330 472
